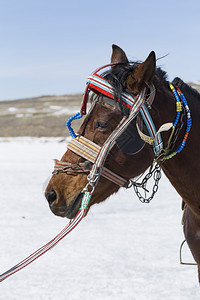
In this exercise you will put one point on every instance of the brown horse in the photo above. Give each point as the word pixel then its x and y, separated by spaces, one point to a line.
pixel 64 189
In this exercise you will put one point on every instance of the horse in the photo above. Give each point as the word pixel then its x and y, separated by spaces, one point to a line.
pixel 134 150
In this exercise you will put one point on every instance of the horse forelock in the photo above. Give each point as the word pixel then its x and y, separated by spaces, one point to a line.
pixel 118 74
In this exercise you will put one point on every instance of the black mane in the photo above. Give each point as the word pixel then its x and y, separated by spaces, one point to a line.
pixel 186 89
pixel 118 74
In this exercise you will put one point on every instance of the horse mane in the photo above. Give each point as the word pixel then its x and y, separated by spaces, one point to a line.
pixel 118 74
pixel 186 89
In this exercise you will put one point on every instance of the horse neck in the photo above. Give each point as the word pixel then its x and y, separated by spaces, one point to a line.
pixel 183 169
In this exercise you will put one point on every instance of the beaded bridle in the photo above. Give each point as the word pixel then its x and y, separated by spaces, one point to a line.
pixel 138 107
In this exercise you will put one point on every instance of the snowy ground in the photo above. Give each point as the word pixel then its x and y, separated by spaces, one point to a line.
pixel 122 250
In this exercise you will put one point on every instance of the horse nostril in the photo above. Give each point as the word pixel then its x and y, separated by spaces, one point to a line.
pixel 51 196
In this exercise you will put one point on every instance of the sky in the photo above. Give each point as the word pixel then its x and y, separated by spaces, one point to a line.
pixel 50 47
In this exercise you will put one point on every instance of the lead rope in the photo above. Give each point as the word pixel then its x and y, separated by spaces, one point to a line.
pixel 72 224
pixel 93 178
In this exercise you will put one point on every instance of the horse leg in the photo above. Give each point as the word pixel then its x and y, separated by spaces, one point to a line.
pixel 192 234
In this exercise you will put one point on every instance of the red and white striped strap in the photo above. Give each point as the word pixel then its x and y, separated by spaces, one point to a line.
pixel 99 85
pixel 46 247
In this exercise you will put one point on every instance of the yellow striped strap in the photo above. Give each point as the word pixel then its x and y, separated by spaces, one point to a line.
pixel 89 150
pixel 84 147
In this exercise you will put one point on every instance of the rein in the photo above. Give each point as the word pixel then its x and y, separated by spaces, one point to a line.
pixel 72 224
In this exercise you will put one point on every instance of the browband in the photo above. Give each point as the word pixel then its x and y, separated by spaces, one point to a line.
pixel 99 85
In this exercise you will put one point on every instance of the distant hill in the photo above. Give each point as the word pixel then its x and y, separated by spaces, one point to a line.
pixel 42 116
pixel 195 85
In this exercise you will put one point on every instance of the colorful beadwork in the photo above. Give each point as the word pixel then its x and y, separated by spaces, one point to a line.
pixel 189 121
pixel 68 124
pixel 178 104
pixel 180 100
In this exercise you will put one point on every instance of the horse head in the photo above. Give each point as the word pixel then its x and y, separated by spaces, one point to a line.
pixel 134 104
pixel 64 191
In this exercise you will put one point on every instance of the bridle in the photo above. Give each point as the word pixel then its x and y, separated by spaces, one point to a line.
pixel 138 107
pixel 94 153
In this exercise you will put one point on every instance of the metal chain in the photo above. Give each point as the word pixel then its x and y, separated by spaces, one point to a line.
pixel 156 173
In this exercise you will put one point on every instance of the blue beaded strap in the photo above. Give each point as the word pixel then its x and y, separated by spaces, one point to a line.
pixel 188 122
pixel 180 99
pixel 68 124
pixel 178 104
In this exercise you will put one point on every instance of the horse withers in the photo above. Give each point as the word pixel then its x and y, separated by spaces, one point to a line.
pixel 136 120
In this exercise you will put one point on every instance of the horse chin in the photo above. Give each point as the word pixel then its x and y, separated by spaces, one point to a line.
pixel 69 211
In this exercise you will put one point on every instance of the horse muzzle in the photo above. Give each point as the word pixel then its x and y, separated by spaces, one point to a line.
pixel 64 211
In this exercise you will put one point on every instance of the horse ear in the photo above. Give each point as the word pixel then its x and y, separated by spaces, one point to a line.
pixel 118 55
pixel 142 74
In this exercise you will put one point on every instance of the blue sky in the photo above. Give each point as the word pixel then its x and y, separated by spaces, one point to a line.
pixel 51 46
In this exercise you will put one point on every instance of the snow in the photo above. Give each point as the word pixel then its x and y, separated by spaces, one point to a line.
pixel 122 250
pixel 23 115
pixel 197 82
pixel 12 109
pixel 64 111
pixel 49 110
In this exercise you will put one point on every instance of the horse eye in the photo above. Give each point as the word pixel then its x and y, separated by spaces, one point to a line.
pixel 101 125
